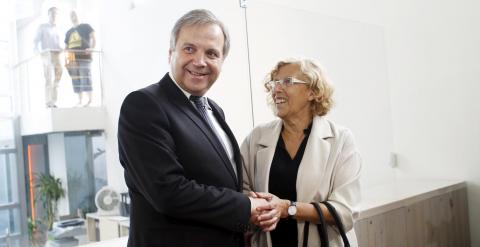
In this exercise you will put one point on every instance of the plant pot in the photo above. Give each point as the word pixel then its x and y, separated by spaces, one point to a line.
pixel 38 238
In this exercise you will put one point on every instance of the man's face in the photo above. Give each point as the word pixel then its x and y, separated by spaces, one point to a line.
pixel 73 17
pixel 52 16
pixel 197 58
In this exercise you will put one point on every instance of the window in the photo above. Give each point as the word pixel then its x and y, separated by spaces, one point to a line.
pixel 6 91
pixel 7 137
pixel 79 156
pixel 86 169
pixel 10 221
pixel 11 197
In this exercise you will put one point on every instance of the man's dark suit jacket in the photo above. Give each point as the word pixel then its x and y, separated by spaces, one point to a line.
pixel 182 187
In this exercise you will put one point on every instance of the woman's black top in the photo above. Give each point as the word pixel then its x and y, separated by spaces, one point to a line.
pixel 282 183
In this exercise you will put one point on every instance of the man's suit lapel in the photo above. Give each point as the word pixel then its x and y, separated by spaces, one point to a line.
pixel 231 137
pixel 181 101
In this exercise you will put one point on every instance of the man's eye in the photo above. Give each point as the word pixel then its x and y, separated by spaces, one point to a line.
pixel 189 49
pixel 213 54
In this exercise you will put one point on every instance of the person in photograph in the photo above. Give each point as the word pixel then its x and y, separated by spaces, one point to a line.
pixel 182 164
pixel 47 42
pixel 302 157
pixel 79 42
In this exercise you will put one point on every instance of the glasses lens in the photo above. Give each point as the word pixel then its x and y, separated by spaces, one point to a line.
pixel 285 82
pixel 271 84
pixel 288 81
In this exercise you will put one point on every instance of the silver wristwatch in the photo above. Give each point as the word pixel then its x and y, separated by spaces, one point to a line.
pixel 292 210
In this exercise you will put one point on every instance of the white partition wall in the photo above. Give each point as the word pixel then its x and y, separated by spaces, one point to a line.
pixel 434 66
pixel 136 37
pixel 405 73
pixel 354 56
pixel 136 41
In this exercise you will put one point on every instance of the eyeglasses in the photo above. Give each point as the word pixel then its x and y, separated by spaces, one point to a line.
pixel 285 82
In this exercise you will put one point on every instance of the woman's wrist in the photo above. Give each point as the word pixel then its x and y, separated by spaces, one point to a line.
pixel 284 206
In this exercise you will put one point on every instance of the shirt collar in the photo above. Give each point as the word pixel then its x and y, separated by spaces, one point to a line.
pixel 187 94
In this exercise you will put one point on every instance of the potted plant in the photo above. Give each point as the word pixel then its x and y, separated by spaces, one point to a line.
pixel 35 234
pixel 50 190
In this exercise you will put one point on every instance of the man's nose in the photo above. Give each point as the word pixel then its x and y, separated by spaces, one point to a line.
pixel 199 59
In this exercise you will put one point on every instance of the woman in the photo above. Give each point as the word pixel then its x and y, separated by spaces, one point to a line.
pixel 302 158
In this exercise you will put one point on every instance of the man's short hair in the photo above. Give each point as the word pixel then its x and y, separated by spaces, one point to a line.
pixel 199 17
pixel 52 9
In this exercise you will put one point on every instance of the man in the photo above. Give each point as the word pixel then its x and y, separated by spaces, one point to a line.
pixel 182 163
pixel 48 40
pixel 80 40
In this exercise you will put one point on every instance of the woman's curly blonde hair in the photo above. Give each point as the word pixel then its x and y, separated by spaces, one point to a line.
pixel 317 81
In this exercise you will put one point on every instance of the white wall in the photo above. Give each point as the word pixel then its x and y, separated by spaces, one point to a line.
pixel 135 45
pixel 29 69
pixel 135 55
pixel 364 11
pixel 355 59
pixel 406 74
pixel 434 70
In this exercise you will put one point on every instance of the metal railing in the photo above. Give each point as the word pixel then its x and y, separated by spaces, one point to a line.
pixel 69 71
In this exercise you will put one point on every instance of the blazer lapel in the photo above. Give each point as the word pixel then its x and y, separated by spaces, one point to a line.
pixel 233 141
pixel 268 144
pixel 181 101
pixel 313 165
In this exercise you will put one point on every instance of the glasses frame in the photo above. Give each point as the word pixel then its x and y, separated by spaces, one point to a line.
pixel 285 82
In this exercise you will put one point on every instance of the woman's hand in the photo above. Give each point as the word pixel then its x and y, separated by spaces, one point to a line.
pixel 264 216
pixel 270 214
pixel 280 204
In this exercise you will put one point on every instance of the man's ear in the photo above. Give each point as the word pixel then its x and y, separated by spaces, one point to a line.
pixel 170 55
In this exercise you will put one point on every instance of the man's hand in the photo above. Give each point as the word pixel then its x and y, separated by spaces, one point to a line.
pixel 255 203
pixel 266 214
pixel 88 51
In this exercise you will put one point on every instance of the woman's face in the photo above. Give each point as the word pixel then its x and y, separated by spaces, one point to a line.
pixel 292 101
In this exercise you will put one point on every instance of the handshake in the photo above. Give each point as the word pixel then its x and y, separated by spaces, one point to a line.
pixel 267 209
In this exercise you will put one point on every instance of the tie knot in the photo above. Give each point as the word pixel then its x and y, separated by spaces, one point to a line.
pixel 199 101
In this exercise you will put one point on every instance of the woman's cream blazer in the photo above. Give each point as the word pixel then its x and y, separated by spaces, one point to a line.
pixel 329 170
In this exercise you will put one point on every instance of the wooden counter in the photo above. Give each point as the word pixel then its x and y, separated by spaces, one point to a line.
pixel 403 213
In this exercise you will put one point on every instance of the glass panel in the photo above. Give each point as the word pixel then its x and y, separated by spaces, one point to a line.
pixel 13 177
pixel 9 220
pixel 4 32
pixel 99 162
pixel 86 169
pixel 15 220
pixel 8 178
pixel 79 174
pixel 4 53
pixel 5 85
pixel 5 16
pixel 7 140
pixel 3 179
pixel 6 105
pixel 4 221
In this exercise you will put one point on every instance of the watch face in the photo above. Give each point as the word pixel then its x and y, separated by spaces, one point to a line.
pixel 292 210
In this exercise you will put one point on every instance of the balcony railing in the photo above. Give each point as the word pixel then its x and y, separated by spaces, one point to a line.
pixel 73 68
